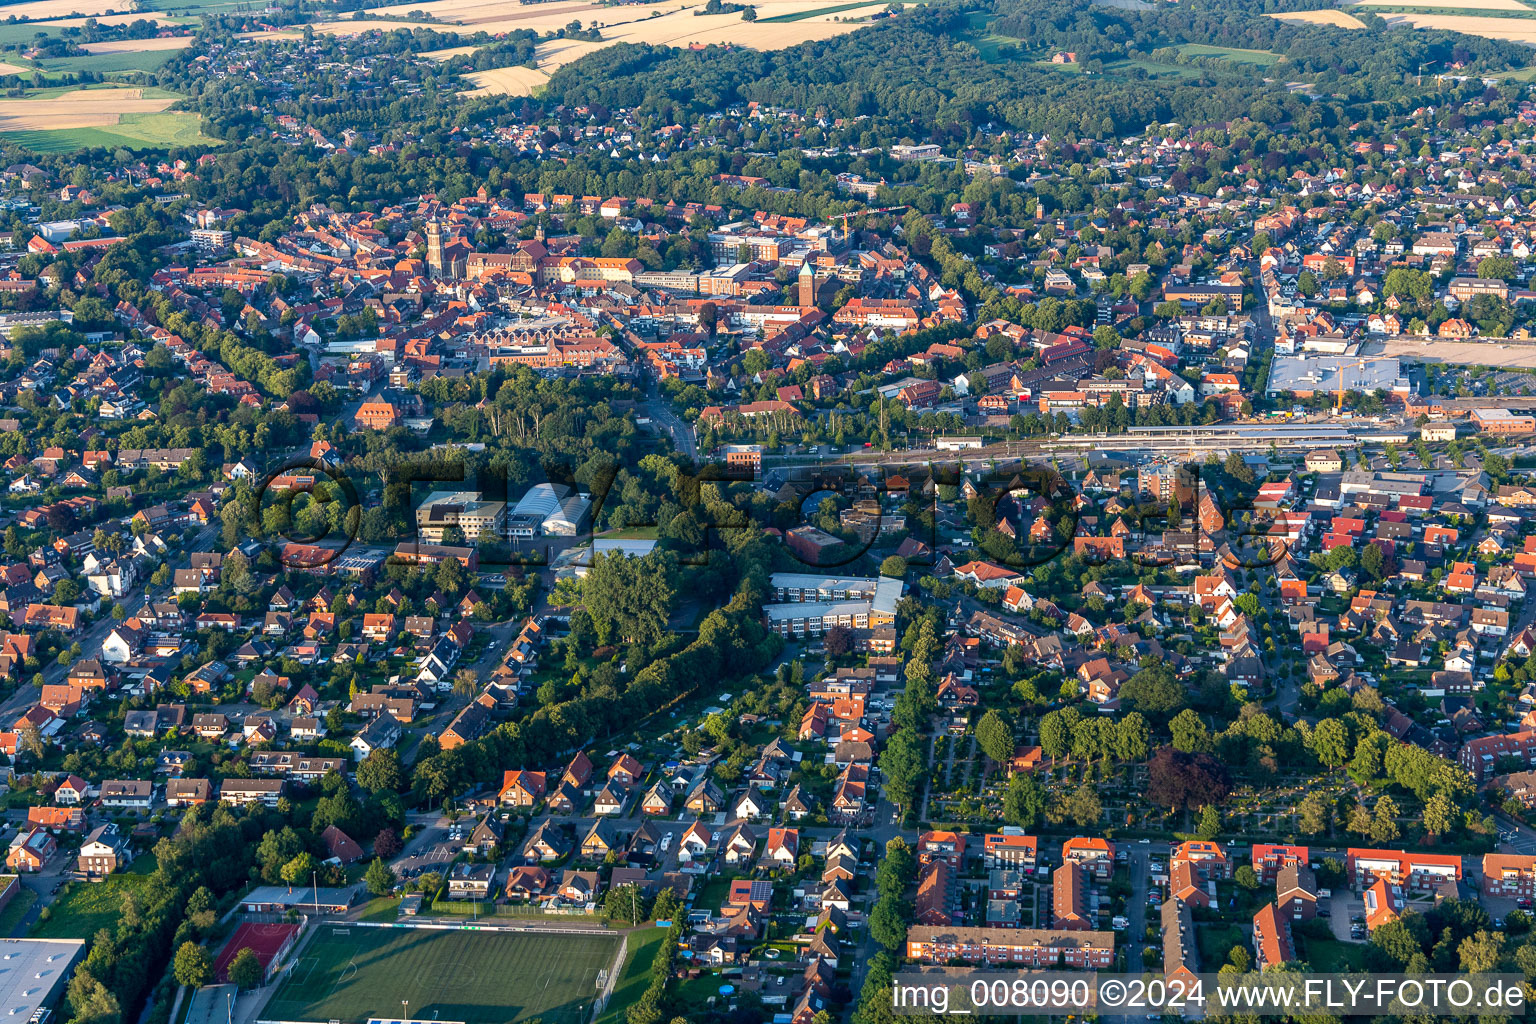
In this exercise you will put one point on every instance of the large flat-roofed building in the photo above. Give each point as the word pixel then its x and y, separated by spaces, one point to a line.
pixel 33 973
pixel 815 604
pixel 1503 421
pixel 797 586
pixel 1195 296
pixel 466 510
pixel 1464 288
pixel 550 509
pixel 279 899
pixel 743 460
pixel 1307 375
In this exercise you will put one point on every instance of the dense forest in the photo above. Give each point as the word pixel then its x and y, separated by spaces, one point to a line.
pixel 922 69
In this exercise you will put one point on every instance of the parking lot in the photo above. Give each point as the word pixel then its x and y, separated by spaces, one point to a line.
pixel 432 849
pixel 1347 916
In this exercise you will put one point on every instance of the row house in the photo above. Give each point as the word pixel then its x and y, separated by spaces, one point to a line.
pixel 1024 947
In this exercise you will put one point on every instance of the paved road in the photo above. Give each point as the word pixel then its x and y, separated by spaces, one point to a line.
pixel 667 422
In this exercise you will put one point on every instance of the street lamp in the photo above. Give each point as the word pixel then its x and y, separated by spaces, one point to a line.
pixel 405 1005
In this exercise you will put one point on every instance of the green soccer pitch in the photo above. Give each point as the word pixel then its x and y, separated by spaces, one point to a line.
pixel 350 974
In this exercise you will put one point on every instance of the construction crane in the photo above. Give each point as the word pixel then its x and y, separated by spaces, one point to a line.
pixel 1338 405
pixel 866 213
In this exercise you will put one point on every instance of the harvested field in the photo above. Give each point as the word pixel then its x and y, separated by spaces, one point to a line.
pixel 65 9
pixel 138 45
pixel 83 108
pixel 671 23
pixel 1335 18
pixel 13 69
pixel 516 81
pixel 1487 5
pixel 452 51
pixel 1514 30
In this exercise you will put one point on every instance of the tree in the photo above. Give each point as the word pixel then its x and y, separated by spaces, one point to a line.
pixel 894 566
pixel 1179 780
pixel 995 737
pixel 1373 561
pixel 1023 801
pixel 1189 732
pixel 1481 953
pixel 1056 732
pixel 91 1001
pixel 1384 826
pixel 838 641
pixel 630 598
pixel 1154 692
pixel 1314 813
pixel 245 969
pixel 387 843
pixel 193 966
pixel 1132 738
pixel 1439 814
pixel 897 868
pixel 379 878
pixel 886 925
pixel 298 870
pixel 1083 806
pixel 381 770
pixel 901 762
pixel 1246 877
pixel 1330 742
pixel 1210 822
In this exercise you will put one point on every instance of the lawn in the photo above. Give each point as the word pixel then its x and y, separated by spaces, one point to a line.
pixel 1152 67
pixel 1332 956
pixel 636 975
pixel 85 908
pixel 480 977
pixel 1263 58
pixel 15 910
pixel 386 909
pixel 134 131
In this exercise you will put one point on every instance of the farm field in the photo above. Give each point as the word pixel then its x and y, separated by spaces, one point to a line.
pixel 64 8
pixel 79 108
pixel 780 23
pixel 135 131
pixel 1514 30
pixel 106 63
pixel 138 45
pixel 1336 18
pixel 351 974
pixel 63 120
pixel 826 12
pixel 1261 58
pixel 513 81
pixel 1489 5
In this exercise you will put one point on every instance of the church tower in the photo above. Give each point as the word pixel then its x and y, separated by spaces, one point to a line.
pixel 807 283
pixel 434 250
